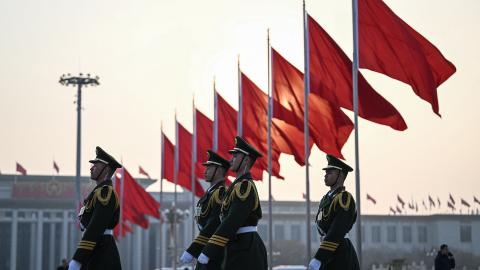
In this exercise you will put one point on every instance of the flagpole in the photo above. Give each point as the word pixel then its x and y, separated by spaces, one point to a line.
pixel 194 160
pixel 174 208
pixel 355 110
pixel 305 127
pixel 215 118
pixel 160 194
pixel 122 188
pixel 240 100
pixel 269 142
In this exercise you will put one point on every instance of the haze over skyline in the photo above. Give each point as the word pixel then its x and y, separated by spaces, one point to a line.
pixel 153 57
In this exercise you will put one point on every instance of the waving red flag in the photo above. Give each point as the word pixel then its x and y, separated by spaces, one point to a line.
pixel 55 167
pixel 227 130
pixel 390 46
pixel 168 158
pixel 464 202
pixel 185 161
pixel 451 206
pixel 475 200
pixel 21 169
pixel 393 210
pixel 204 141
pixel 136 202
pixel 451 198
pixel 432 202
pixel 329 127
pixel 143 172
pixel 285 137
pixel 331 78
pixel 371 199
pixel 401 201
pixel 399 210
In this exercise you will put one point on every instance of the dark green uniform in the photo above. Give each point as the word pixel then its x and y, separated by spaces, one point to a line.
pixel 335 217
pixel 240 208
pixel 101 211
pixel 207 215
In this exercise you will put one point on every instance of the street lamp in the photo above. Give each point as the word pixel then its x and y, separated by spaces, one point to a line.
pixel 174 216
pixel 79 81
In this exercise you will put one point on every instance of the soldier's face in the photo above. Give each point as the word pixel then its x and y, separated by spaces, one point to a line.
pixel 331 177
pixel 236 161
pixel 209 172
pixel 96 170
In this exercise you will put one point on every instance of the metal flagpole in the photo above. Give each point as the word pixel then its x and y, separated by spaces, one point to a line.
pixel 269 142
pixel 162 175
pixel 194 160
pixel 305 127
pixel 174 208
pixel 355 110
pixel 240 100
pixel 215 117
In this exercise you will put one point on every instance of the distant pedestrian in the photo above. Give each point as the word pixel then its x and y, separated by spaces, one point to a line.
pixel 444 259
pixel 64 265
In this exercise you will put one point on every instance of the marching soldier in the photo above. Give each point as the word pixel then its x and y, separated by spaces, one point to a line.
pixel 239 214
pixel 335 217
pixel 207 212
pixel 99 215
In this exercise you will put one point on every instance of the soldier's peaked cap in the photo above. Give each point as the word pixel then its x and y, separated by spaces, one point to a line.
pixel 242 146
pixel 336 164
pixel 216 159
pixel 105 158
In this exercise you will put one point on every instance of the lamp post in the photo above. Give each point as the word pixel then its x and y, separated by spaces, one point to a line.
pixel 79 81
pixel 174 216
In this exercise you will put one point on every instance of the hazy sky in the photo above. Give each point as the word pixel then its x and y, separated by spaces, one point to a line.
pixel 152 56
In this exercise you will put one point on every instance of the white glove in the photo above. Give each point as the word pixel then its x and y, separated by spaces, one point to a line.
pixel 74 265
pixel 186 257
pixel 313 265
pixel 203 259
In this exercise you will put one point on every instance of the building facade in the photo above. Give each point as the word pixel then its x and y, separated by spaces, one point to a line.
pixel 38 219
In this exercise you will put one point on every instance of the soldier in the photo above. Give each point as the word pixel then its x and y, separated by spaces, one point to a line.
pixel 207 212
pixel 99 215
pixel 335 217
pixel 239 215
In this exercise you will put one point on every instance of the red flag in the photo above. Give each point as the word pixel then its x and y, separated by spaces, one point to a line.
pixel 451 206
pixel 393 210
pixel 21 169
pixel 227 127
pixel 475 200
pixel 451 199
pixel 55 167
pixel 227 130
pixel 136 202
pixel 331 78
pixel 285 138
pixel 204 141
pixel 399 210
pixel 142 171
pixel 464 202
pixel 185 161
pixel 432 202
pixel 400 201
pixel 168 159
pixel 304 195
pixel 371 199
pixel 438 200
pixel 390 46
pixel 329 126
pixel 424 205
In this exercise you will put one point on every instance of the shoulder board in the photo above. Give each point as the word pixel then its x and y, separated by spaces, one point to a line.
pixel 343 199
pixel 216 196
pixel 104 194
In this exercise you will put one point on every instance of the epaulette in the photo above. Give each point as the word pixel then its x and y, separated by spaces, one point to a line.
pixel 343 199
pixel 104 194
pixel 237 192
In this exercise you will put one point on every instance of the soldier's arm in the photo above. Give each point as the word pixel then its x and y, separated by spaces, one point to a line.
pixel 104 207
pixel 212 223
pixel 344 207
pixel 243 201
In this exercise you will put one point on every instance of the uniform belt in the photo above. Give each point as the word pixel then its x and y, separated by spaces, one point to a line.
pixel 108 232
pixel 247 229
